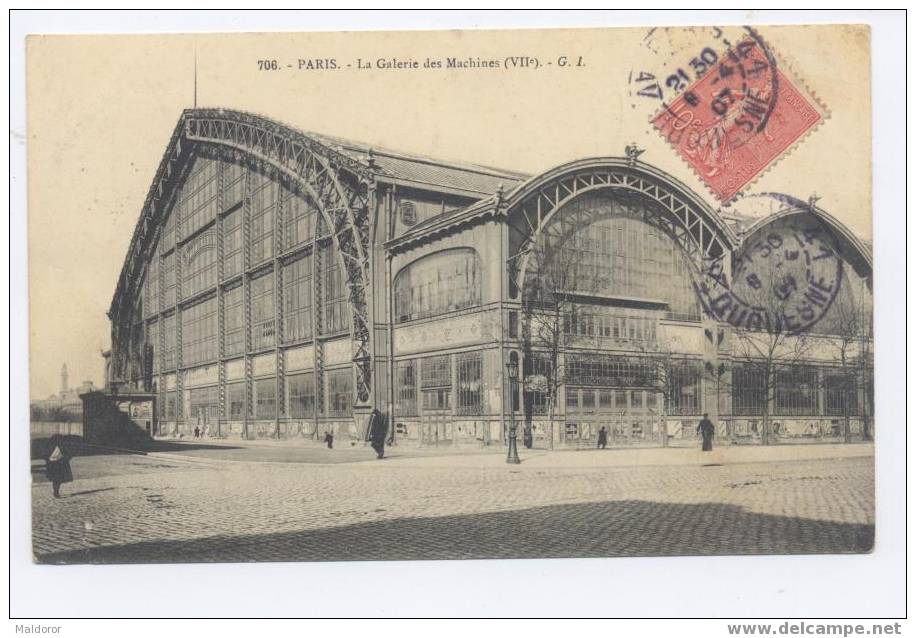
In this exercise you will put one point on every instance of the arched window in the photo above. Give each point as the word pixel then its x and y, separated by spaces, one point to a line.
pixel 436 284
pixel 615 258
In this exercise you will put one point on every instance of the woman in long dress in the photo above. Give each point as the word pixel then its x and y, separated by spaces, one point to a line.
pixel 58 464
pixel 706 429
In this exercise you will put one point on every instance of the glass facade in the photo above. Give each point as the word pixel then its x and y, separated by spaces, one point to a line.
pixel 619 259
pixel 684 388
pixel 297 300
pixel 340 392
pixel 187 291
pixel 263 312
pixel 406 393
pixel 300 392
pixel 470 377
pixel 199 333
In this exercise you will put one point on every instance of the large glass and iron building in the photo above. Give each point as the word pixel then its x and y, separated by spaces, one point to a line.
pixel 281 284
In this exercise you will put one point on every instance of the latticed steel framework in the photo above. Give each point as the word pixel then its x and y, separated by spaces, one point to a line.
pixel 665 203
pixel 341 188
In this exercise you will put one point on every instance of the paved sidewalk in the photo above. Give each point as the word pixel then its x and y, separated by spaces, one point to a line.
pixel 310 452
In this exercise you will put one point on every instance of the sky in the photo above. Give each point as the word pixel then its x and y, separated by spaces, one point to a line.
pixel 101 110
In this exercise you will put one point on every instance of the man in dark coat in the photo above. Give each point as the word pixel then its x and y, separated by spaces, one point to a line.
pixel 329 439
pixel 706 429
pixel 377 432
pixel 602 438
pixel 58 464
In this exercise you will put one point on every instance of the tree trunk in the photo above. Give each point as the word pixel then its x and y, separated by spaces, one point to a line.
pixel 550 403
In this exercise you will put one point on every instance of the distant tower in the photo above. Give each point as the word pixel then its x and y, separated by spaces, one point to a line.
pixel 64 379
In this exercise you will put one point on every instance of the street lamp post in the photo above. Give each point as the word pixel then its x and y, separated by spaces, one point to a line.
pixel 512 370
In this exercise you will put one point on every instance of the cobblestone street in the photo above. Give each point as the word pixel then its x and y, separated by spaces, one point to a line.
pixel 167 508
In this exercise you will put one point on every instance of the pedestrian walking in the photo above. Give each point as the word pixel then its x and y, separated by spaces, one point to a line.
pixel 58 464
pixel 377 431
pixel 602 438
pixel 706 429
pixel 196 432
pixel 329 440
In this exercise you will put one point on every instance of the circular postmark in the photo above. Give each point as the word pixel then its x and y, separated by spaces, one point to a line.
pixel 782 280
pixel 717 70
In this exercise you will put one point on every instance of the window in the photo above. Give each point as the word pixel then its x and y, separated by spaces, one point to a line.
pixel 151 289
pixel 300 390
pixel 234 318
pixel 197 200
pixel 796 390
pixel 408 213
pixel 748 390
pixel 297 300
pixel 572 398
pixel 439 283
pixel 536 374
pixel 437 371
pixel 233 255
pixel 263 313
pixel 301 217
pixel 235 398
pixel 336 318
pixel 840 397
pixel 199 268
pixel 263 210
pixel 436 381
pixel 167 242
pixel 619 257
pixel 684 388
pixel 152 340
pixel 611 323
pixel 199 332
pixel 470 375
pixel 340 392
pixel 233 185
pixel 168 278
pixel 588 399
pixel 169 360
pixel 604 370
pixel 406 395
pixel 265 398
pixel 437 399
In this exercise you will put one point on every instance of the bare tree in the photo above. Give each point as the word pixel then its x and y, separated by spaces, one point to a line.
pixel 765 343
pixel 556 291
pixel 850 338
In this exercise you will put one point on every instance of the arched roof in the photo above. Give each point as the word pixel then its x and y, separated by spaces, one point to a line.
pixel 635 169
pixel 653 176
pixel 686 216
pixel 853 250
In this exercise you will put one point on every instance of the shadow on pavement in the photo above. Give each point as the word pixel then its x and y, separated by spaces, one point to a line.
pixel 75 446
pixel 598 529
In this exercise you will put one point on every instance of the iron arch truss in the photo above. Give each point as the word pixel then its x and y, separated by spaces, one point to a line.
pixel 695 226
pixel 340 186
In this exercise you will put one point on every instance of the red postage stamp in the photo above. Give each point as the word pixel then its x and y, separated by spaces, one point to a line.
pixel 738 119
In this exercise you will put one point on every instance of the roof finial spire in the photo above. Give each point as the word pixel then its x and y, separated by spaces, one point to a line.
pixel 633 152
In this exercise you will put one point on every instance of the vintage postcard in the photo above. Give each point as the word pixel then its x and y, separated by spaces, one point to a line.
pixel 519 293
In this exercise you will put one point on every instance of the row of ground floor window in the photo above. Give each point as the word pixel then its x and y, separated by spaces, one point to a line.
pixel 459 385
